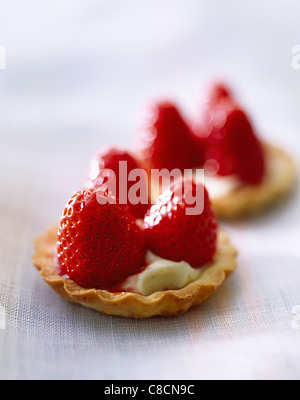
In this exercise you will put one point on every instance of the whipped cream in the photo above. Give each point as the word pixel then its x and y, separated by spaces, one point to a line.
pixel 161 274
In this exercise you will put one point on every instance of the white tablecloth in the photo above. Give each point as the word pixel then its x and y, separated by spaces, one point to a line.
pixel 77 75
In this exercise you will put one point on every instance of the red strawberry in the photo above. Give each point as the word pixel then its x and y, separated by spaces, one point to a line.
pixel 166 139
pixel 110 159
pixel 174 234
pixel 202 124
pixel 234 145
pixel 248 150
pixel 98 245
pixel 230 139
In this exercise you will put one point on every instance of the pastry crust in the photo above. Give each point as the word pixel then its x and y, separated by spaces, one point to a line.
pixel 246 201
pixel 167 303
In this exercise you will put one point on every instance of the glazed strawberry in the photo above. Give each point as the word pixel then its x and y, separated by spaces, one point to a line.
pixel 246 148
pixel 166 139
pixel 174 234
pixel 216 93
pixel 203 123
pixel 229 137
pixel 110 160
pixel 234 145
pixel 98 245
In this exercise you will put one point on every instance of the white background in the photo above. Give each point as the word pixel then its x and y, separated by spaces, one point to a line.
pixel 78 74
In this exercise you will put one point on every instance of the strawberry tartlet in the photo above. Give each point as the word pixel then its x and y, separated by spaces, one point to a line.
pixel 137 262
pixel 243 174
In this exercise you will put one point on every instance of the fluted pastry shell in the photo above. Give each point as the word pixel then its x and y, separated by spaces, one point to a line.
pixel 167 303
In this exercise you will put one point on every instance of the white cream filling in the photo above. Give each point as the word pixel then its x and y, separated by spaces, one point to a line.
pixel 219 186
pixel 161 274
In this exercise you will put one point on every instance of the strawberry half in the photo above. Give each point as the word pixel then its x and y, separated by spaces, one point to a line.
pixel 230 139
pixel 247 150
pixel 110 160
pixel 175 235
pixel 98 245
pixel 166 140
